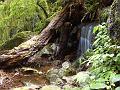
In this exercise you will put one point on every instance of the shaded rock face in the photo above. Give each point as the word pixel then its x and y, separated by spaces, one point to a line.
pixel 114 21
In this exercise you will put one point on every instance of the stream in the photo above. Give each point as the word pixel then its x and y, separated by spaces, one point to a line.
pixel 85 41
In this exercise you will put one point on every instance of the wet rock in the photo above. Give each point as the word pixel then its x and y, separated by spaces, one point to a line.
pixel 69 80
pixel 67 69
pixel 16 40
pixel 55 75
pixel 43 57
pixel 51 87
pixel 57 62
pixel 48 50
pixel 38 61
pixel 66 65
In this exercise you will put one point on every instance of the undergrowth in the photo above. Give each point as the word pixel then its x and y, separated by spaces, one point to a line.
pixel 25 15
pixel 103 63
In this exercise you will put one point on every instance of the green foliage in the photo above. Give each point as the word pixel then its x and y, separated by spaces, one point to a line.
pixel 51 10
pixel 98 86
pixel 82 78
pixel 115 78
pixel 76 88
pixel 104 14
pixel 25 15
pixel 96 10
pixel 16 16
pixel 92 4
pixel 103 60
pixel 16 40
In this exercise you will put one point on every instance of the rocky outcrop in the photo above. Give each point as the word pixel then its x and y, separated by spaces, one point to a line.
pixel 114 21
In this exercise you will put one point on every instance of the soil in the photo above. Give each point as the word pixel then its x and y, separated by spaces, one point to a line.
pixel 18 77
pixel 14 78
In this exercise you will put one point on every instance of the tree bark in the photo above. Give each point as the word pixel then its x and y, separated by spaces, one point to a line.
pixel 29 48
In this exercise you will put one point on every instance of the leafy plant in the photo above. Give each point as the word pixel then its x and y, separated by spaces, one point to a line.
pixel 104 60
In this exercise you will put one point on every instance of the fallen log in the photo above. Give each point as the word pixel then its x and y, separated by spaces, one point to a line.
pixel 29 48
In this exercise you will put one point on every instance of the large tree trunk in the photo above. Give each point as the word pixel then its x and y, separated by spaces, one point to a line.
pixel 35 44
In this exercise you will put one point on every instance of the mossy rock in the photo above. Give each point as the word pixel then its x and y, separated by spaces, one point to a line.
pixel 16 40
pixel 47 50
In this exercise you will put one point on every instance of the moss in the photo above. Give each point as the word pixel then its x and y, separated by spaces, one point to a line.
pixel 16 40
pixel 104 14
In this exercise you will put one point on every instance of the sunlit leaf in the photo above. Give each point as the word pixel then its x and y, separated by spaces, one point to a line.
pixel 98 86
pixel 118 88
pixel 115 78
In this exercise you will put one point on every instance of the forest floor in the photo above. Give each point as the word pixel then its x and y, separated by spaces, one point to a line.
pixel 34 75
pixel 24 76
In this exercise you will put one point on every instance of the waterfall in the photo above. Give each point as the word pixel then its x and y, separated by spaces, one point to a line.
pixel 85 38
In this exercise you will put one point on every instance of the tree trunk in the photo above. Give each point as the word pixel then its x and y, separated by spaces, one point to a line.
pixel 35 44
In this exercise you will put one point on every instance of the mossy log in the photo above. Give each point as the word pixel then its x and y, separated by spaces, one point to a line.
pixel 27 49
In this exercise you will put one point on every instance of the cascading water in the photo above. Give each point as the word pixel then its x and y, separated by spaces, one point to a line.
pixel 85 38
